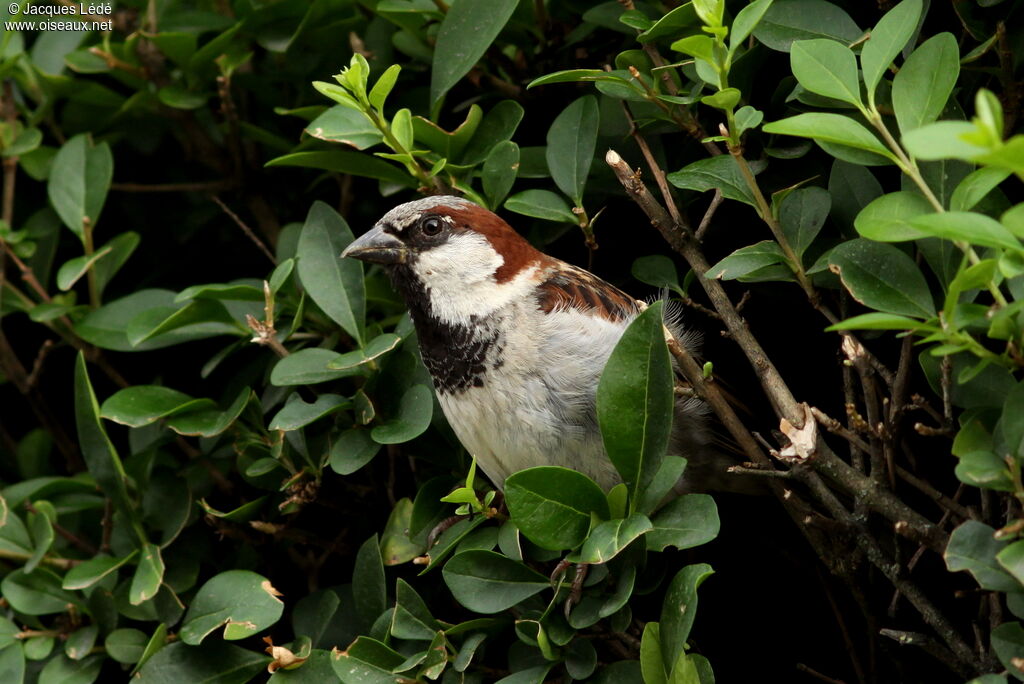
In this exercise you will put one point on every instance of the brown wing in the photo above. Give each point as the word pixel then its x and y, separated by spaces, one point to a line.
pixel 569 287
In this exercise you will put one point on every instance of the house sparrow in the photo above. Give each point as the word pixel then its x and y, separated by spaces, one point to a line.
pixel 515 340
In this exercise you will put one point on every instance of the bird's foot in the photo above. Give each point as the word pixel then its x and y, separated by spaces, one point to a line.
pixel 576 589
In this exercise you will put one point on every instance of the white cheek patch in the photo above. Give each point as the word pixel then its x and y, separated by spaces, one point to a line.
pixel 459 275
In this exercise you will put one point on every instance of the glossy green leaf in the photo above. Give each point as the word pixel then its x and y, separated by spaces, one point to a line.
pixel 745 22
pixel 309 367
pixel 72 270
pixel 215 662
pixel 352 450
pixel 375 348
pixel 887 218
pixel 679 610
pixel 827 68
pixel 38 593
pixel 298 413
pixel 412 618
pixel 687 521
pixel 241 601
pixel 657 270
pixel 968 226
pixel 552 506
pixel 714 173
pixel 368 591
pixel 830 128
pixel 972 547
pixel 499 172
pixel 40 524
pixel 63 670
pixel 635 401
pixel 126 645
pixel 542 204
pixel 79 180
pixel 487 582
pixel 882 277
pixel 877 321
pixel 154 323
pixel 347 162
pixel 942 140
pixel 209 422
pixel 411 420
pixel 367 661
pixel 802 214
pixel 99 454
pixel 571 140
pixel 651 660
pixel 790 20
pixel 335 284
pixel 611 537
pixel 90 572
pixel 1008 643
pixel 347 126
pixel 975 187
pixel 924 82
pixel 144 404
pixel 892 32
pixel 747 260
pixel 467 30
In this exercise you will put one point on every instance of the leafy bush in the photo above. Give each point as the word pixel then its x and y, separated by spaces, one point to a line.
pixel 203 448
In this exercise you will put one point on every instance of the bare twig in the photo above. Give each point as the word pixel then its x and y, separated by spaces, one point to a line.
pixel 705 223
pixel 201 186
pixel 245 229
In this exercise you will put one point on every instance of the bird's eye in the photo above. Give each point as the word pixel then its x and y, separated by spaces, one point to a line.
pixel 431 226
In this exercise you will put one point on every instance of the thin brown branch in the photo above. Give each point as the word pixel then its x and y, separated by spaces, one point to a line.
pixel 705 223
pixel 680 238
pixel 245 229
pixel 202 186
pixel 817 675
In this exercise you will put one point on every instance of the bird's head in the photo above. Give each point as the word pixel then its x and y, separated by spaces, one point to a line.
pixel 449 257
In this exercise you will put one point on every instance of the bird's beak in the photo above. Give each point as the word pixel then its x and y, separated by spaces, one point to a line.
pixel 377 247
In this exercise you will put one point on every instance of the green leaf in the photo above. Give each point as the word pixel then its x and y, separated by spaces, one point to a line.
pixel 412 419
pixel 412 618
pixel 943 140
pixel 745 22
pixel 542 204
pixel 891 33
pixel 882 277
pixel 790 20
pixel 97 450
pixel 369 594
pixel 73 269
pixel 212 421
pixel 41 525
pixel 118 251
pixel 309 367
pixel 652 664
pixel 924 82
pixel 216 663
pixel 93 570
pixel 876 321
pixel 1011 559
pixel 149 575
pixel 335 284
pixel 635 401
pixel 570 151
pixel 144 404
pixel 552 506
pixel 297 413
pixel 679 610
pixel 687 521
pixel 682 19
pixel 499 171
pixel 887 218
pixel 802 214
pixel 972 547
pixel 466 32
pixel 830 128
pixel 657 270
pixel 714 173
pixel 126 645
pixel 611 537
pixel 352 450
pixel 852 187
pixel 242 601
pixel 975 187
pixel 487 582
pixel 38 593
pixel 347 126
pixel 1008 643
pixel 347 162
pixel 747 260
pixel 383 87
pixel 63 670
pixel 79 180
pixel 968 226
pixel 157 322
pixel 827 68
